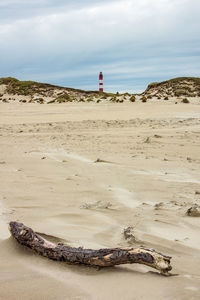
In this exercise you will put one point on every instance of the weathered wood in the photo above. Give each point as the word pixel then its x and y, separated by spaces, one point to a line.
pixel 98 258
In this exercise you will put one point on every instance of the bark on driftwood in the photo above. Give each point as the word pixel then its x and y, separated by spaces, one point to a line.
pixel 96 258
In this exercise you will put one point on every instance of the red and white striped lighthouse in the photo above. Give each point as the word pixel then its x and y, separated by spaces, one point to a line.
pixel 101 82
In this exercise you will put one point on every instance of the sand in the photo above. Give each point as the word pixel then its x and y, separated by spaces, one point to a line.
pixel 81 173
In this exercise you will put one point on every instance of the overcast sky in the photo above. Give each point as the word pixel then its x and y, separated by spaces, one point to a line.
pixel 66 42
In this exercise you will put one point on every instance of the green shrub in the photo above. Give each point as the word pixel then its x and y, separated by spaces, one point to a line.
pixel 127 94
pixel 39 100
pixel 180 92
pixel 166 98
pixel 132 98
pixel 143 99
pixel 186 87
pixel 149 97
pixel 114 99
pixel 89 100
pixel 104 97
pixel 63 98
pixel 185 100
pixel 60 100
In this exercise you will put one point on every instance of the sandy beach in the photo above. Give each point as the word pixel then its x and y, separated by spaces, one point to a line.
pixel 81 173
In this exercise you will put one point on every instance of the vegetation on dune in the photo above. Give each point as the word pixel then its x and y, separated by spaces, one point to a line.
pixel 109 94
pixel 181 92
pixel 48 93
pixel 175 80
pixel 39 100
pixel 81 100
pixel 6 80
pixel 132 98
pixel 143 99
pixel 29 88
pixel 51 101
pixel 116 100
pixel 90 99
pixel 105 96
pixel 185 100
pixel 176 87
pixel 127 94
pixel 25 88
pixel 63 98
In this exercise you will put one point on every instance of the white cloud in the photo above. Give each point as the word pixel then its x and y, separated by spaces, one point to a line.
pixel 99 27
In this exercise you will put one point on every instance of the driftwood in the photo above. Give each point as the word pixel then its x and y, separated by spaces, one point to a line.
pixel 96 258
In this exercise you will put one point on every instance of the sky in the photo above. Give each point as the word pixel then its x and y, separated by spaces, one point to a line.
pixel 68 42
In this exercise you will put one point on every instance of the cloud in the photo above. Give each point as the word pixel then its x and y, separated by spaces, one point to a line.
pixel 130 40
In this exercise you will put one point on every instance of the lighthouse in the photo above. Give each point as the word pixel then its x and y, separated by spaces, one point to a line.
pixel 100 82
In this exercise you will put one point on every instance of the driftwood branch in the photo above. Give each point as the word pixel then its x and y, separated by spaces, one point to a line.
pixel 96 258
